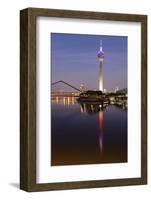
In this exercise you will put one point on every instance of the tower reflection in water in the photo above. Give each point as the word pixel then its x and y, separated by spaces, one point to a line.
pixel 101 131
pixel 87 133
pixel 86 108
pixel 95 108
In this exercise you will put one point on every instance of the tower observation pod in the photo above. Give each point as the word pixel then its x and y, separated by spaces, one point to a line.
pixel 100 56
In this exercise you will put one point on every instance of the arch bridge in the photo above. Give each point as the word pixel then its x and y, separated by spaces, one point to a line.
pixel 57 93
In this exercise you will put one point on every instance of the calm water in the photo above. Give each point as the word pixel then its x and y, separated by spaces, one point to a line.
pixel 86 134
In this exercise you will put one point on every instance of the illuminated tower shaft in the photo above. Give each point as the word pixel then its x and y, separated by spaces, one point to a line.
pixel 101 78
pixel 101 58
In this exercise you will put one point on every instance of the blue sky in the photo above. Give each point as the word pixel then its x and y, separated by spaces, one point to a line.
pixel 74 60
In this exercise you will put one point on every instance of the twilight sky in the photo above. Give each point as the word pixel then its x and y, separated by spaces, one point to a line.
pixel 74 60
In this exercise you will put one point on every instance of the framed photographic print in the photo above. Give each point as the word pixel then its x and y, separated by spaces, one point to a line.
pixel 83 99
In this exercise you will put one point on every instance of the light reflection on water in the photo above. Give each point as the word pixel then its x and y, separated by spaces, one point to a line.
pixel 87 133
pixel 64 100
pixel 101 131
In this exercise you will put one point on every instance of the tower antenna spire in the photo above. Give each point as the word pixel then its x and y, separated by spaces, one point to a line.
pixel 101 45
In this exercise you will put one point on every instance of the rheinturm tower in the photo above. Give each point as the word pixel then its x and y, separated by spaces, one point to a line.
pixel 101 58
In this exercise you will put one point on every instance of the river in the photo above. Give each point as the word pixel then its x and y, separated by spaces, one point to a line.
pixel 87 133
